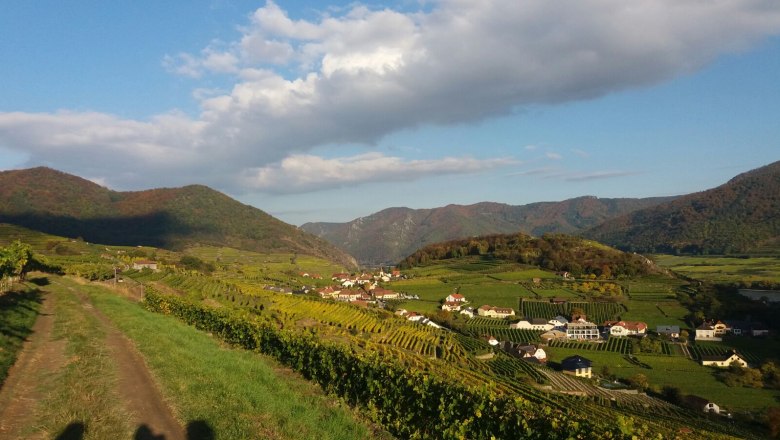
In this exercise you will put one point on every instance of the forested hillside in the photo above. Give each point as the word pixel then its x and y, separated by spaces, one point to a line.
pixel 551 251
pixel 740 216
pixel 391 234
pixel 58 203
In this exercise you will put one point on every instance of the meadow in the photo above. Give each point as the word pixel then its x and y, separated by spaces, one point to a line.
pixel 723 269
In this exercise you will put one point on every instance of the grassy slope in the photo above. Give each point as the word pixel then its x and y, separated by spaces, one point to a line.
pixel 677 371
pixel 256 398
pixel 18 310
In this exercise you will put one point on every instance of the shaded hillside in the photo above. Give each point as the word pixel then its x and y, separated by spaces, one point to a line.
pixel 58 203
pixel 742 215
pixel 557 252
pixel 391 234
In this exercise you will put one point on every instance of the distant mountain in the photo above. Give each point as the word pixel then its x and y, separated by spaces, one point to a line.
pixel 392 234
pixel 174 218
pixel 740 216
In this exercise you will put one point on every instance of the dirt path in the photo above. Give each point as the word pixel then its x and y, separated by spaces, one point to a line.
pixel 138 389
pixel 43 356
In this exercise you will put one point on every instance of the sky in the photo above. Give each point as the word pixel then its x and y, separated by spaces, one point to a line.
pixel 329 111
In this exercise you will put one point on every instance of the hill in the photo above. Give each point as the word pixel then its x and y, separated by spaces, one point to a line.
pixel 392 234
pixel 552 251
pixel 743 215
pixel 173 218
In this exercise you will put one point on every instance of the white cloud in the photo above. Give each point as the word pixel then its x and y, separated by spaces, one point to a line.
pixel 553 156
pixel 305 172
pixel 359 75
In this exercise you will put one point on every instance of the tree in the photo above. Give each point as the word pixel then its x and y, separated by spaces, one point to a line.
pixel 640 381
pixel 684 335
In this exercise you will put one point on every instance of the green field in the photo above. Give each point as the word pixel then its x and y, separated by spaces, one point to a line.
pixel 723 269
pixel 676 371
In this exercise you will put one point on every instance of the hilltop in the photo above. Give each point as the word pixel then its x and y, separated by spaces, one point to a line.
pixel 551 251
pixel 391 234
pixel 58 203
pixel 742 215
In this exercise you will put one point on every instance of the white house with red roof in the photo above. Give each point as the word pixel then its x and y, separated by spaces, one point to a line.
pixel 455 297
pixel 626 328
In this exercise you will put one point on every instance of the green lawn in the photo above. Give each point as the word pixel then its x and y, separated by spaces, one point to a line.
pixel 723 269
pixel 680 372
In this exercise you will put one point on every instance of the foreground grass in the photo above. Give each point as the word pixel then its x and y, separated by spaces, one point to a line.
pixel 18 311
pixel 239 394
pixel 82 390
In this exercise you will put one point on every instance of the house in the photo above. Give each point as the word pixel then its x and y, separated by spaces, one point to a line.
pixel 385 294
pixel 582 330
pixel 451 306
pixel 626 328
pixel 528 351
pixel 673 331
pixel 492 341
pixel 329 292
pixel 401 312
pixel 724 360
pixel 468 311
pixel 340 277
pixel 720 328
pixel 577 366
pixel 532 324
pixel 144 264
pixel 552 334
pixel 349 295
pixel 455 297
pixel 701 404
pixel 495 312
pixel 559 321
pixel 705 332
pixel 414 317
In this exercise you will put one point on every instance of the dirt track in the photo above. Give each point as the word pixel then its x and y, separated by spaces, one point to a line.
pixel 42 356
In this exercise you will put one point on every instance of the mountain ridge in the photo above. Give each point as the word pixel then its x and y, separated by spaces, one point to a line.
pixel 738 216
pixel 393 233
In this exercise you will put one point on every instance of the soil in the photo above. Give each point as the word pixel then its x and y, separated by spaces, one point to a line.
pixel 137 387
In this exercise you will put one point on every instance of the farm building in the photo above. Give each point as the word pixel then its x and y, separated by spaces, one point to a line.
pixel 701 404
pixel 495 312
pixel 532 324
pixel 626 328
pixel 673 331
pixel 724 360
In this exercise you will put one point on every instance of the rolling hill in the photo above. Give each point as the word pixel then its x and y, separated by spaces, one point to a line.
pixel 394 233
pixel 173 218
pixel 742 215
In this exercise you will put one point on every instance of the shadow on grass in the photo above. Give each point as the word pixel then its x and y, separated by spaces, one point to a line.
pixel 74 431
pixel 12 306
pixel 196 430
pixel 40 281
pixel 200 430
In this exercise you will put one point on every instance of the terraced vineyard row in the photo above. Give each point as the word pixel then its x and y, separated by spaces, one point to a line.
pixel 705 349
pixel 504 334
pixel 615 345
pixel 597 312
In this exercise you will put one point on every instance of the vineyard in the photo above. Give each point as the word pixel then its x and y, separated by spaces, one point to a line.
pixel 596 312
pixel 416 347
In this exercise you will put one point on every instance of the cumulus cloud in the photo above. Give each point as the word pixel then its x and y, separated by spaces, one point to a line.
pixel 304 172
pixel 359 75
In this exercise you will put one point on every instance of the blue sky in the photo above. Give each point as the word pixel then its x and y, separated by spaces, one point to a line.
pixel 318 111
